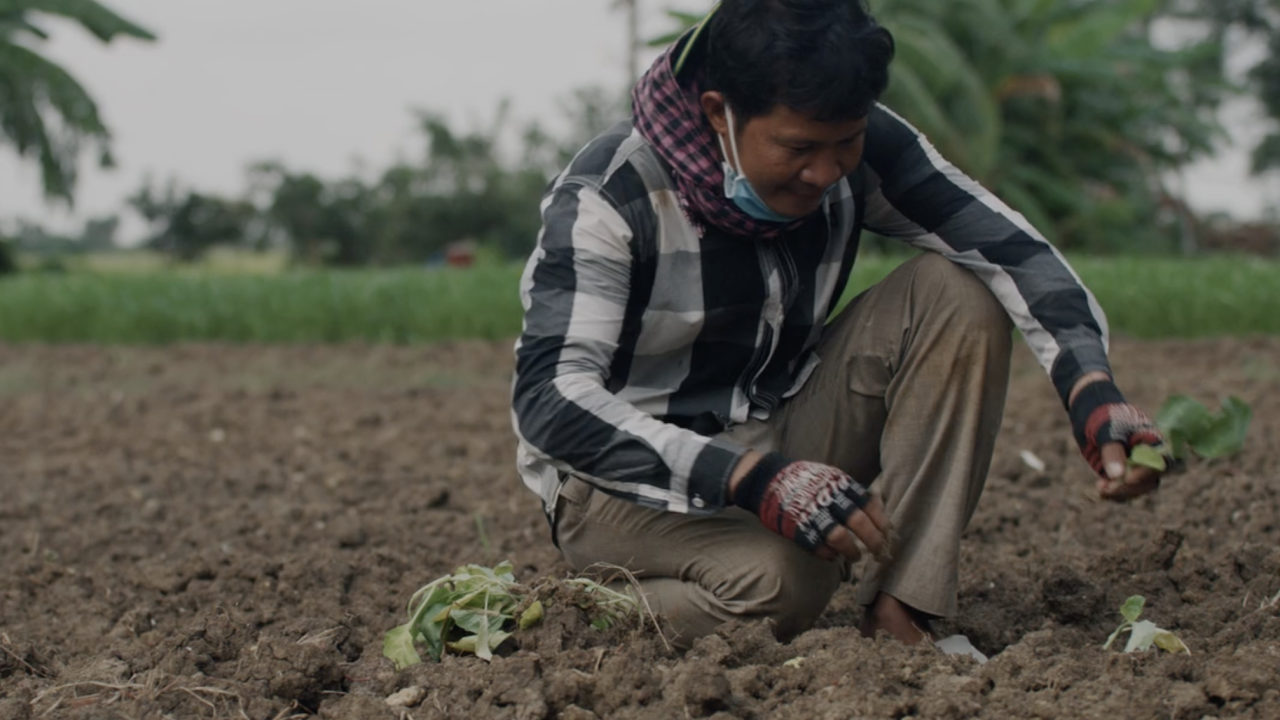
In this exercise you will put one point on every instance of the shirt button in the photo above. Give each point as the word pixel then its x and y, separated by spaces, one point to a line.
pixel 698 502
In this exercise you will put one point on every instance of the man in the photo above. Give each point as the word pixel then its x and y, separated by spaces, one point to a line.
pixel 683 408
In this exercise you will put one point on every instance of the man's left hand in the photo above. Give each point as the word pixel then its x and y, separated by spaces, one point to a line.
pixel 1107 428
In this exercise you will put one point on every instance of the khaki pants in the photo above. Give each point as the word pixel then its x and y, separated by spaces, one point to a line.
pixel 908 399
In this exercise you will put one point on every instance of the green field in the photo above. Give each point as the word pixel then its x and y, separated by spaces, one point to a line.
pixel 1143 297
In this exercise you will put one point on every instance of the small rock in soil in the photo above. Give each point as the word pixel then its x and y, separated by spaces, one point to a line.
pixel 408 697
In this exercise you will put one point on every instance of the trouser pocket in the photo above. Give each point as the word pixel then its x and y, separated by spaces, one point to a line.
pixel 571 508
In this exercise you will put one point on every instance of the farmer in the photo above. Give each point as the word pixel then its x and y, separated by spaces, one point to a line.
pixel 684 410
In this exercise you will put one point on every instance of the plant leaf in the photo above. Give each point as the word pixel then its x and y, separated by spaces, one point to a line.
pixel 1225 433
pixel 482 640
pixel 470 620
pixel 1132 608
pixel 1142 636
pixel 532 615
pixel 1169 642
pixel 496 639
pixel 503 571
pixel 1147 456
pixel 433 632
pixel 397 646
pixel 467 644
pixel 1183 420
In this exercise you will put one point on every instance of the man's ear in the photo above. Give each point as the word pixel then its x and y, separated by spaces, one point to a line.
pixel 713 106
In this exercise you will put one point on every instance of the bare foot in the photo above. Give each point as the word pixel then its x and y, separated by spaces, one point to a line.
pixel 902 621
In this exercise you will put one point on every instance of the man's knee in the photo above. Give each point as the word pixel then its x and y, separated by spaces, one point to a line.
pixel 961 299
pixel 786 585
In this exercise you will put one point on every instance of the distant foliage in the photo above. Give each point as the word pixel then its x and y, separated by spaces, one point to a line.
pixel 1259 20
pixel 8 262
pixel 187 224
pixel 468 186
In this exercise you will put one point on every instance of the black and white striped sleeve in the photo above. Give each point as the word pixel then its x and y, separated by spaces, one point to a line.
pixel 576 290
pixel 931 204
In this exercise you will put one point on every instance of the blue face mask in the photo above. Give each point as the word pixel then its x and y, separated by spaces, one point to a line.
pixel 738 188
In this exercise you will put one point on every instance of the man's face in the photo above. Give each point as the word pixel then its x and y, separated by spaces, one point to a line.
pixel 790 158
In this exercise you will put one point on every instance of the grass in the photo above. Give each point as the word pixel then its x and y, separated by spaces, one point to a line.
pixel 218 261
pixel 1144 297
pixel 392 306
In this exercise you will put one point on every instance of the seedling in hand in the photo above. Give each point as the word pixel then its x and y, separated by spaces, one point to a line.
pixel 1144 633
pixel 1190 427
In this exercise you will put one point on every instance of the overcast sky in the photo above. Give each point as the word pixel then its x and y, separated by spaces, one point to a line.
pixel 322 83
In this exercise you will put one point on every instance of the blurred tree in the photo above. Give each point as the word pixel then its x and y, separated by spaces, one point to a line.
pixel 35 239
pixel 464 188
pixel 44 112
pixel 187 224
pixel 467 186
pixel 8 258
pixel 1229 22
pixel 321 223
pixel 100 234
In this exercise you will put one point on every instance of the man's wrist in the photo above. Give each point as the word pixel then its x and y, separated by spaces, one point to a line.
pixel 745 465
pixel 1086 380
pixel 754 483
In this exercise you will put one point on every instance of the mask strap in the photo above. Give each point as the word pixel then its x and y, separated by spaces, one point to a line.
pixel 733 142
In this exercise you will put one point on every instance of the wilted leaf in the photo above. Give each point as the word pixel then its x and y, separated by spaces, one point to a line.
pixel 504 572
pixel 532 615
pixel 397 645
pixel 495 639
pixel 433 633
pixel 1141 636
pixel 1169 642
pixel 466 644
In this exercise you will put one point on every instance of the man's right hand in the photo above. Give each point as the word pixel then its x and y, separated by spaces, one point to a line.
pixel 817 506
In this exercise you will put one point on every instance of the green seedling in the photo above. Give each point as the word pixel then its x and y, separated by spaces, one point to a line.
pixel 1143 633
pixel 476 601
pixel 1191 427
pixel 476 609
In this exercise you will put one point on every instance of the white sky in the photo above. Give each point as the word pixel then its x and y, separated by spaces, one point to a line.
pixel 322 83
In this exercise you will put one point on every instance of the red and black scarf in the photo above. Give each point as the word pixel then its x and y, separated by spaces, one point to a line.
pixel 668 113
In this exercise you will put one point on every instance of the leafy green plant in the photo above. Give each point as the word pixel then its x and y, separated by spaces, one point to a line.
pixel 1191 427
pixel 476 609
pixel 476 600
pixel 1143 633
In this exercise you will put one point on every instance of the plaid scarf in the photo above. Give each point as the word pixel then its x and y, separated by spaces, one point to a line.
pixel 669 115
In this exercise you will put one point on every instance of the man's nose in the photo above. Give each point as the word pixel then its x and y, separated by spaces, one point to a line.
pixel 823 172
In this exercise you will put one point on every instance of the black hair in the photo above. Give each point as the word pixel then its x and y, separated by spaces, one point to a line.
pixel 826 58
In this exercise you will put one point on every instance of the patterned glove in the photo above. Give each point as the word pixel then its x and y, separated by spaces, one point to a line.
pixel 801 501
pixel 1100 415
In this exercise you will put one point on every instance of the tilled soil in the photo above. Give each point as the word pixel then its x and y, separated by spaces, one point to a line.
pixel 210 531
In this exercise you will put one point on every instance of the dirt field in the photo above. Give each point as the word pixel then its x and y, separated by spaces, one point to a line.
pixel 227 532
